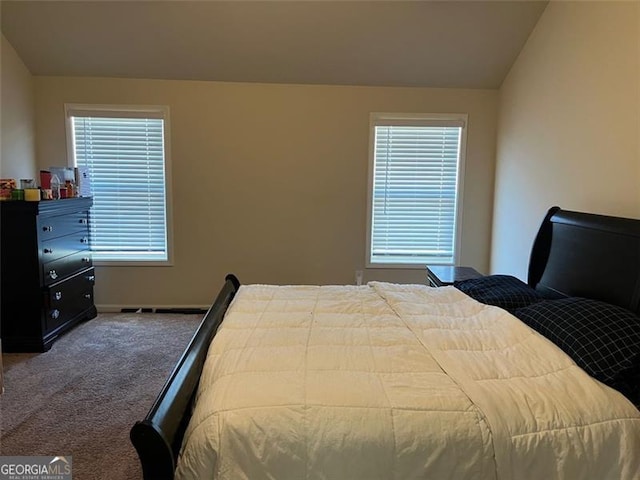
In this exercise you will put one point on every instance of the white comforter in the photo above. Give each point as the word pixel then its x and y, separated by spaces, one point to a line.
pixel 397 382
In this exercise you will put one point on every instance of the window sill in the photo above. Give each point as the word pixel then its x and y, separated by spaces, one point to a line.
pixel 132 263
pixel 401 266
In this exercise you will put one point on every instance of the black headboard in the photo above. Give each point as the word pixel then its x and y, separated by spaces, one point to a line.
pixel 587 255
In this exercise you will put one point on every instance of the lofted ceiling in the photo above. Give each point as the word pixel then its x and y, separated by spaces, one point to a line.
pixel 456 44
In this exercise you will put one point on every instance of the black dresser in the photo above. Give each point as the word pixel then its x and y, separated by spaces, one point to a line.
pixel 46 271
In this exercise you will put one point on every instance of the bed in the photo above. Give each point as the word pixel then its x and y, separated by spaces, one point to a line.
pixel 407 381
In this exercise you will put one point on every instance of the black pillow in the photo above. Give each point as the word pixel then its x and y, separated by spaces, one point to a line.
pixel 502 291
pixel 603 339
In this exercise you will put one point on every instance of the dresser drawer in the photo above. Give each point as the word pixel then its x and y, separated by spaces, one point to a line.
pixel 60 225
pixel 67 299
pixel 56 270
pixel 72 287
pixel 63 246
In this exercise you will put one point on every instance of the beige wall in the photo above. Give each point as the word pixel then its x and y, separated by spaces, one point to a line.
pixel 17 127
pixel 569 124
pixel 270 181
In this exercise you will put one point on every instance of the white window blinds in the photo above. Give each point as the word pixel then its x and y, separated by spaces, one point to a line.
pixel 416 165
pixel 124 153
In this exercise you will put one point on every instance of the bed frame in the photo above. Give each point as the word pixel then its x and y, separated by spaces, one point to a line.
pixel 574 254
pixel 158 437
pixel 585 255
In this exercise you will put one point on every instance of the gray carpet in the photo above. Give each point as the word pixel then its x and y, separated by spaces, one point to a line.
pixel 82 397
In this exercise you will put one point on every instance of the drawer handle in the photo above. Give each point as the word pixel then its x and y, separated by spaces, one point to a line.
pixel 53 274
pixel 48 250
pixel 91 278
pixel 58 295
pixel 86 259
pixel 55 314
pixel 84 240
pixel 47 228
pixel 87 296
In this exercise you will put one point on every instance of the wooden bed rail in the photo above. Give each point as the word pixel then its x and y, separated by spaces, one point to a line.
pixel 158 437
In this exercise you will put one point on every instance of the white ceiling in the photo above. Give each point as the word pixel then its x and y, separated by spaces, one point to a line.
pixel 393 43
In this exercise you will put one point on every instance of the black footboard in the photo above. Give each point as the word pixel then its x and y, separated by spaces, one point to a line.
pixel 158 437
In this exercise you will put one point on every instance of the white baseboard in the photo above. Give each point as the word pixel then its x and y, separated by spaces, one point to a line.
pixel 111 308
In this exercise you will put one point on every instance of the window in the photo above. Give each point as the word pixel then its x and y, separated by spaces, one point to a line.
pixel 416 165
pixel 125 152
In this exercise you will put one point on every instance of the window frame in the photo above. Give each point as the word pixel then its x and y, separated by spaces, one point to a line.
pixel 130 111
pixel 417 119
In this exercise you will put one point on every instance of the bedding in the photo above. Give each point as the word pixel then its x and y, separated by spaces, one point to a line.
pixel 504 291
pixel 601 338
pixel 397 382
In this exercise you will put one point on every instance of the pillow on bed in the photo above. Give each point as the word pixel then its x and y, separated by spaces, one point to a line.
pixel 502 291
pixel 603 339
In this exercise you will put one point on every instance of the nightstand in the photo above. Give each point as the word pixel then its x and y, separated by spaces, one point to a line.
pixel 442 275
